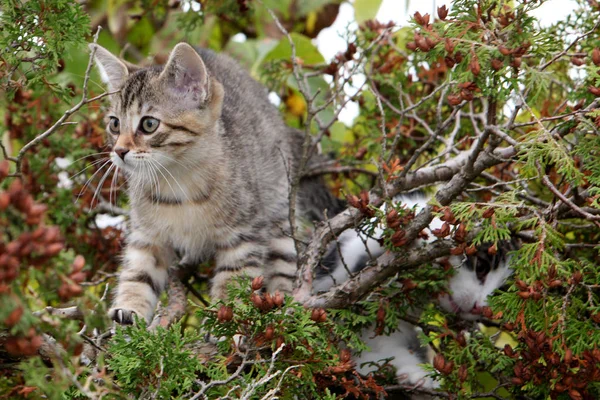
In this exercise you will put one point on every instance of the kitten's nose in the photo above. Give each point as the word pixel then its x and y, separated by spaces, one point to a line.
pixel 121 152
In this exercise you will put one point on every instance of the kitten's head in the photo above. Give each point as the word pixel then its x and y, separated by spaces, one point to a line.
pixel 476 278
pixel 159 113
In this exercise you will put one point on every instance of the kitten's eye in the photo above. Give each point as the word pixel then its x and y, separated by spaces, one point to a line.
pixel 113 125
pixel 149 124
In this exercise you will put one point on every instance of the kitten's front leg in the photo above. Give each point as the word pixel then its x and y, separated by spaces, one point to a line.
pixel 141 281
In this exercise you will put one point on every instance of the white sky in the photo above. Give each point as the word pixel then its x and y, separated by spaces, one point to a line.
pixel 330 42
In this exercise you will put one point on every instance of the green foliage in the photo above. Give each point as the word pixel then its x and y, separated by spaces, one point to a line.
pixel 160 362
pixel 430 89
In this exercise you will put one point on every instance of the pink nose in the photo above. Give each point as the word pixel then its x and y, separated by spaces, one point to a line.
pixel 476 309
pixel 121 152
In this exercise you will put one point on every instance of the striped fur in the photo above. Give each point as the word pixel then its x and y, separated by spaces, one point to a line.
pixel 210 182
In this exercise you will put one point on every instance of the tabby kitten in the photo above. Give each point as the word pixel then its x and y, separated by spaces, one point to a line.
pixel 206 155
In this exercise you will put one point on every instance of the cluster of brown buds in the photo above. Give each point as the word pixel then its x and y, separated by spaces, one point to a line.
pixel 537 362
pixel 346 364
pixel 70 286
pixel 378 27
pixel 467 93
pixel 596 60
pixel 361 203
pixel 340 59
pixel 318 315
pixel 396 222
pixel 225 314
pixel 443 365
pixel 265 302
pixel 26 345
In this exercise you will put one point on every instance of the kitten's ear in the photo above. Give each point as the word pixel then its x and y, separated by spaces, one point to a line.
pixel 112 70
pixel 186 74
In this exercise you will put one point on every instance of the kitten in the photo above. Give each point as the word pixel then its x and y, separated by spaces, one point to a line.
pixel 206 155
pixel 475 278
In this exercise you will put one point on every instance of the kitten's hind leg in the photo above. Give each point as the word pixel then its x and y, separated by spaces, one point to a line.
pixel 141 281
pixel 282 265
pixel 241 258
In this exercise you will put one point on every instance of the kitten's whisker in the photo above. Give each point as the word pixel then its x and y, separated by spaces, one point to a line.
pixel 87 183
pixel 154 183
pixel 99 187
pixel 110 192
pixel 174 160
pixel 89 155
pixel 176 181
pixel 88 167
pixel 155 165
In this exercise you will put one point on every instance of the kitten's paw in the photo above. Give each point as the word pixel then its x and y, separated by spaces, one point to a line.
pixel 122 316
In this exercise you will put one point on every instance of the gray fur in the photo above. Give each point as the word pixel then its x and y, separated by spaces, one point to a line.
pixel 211 181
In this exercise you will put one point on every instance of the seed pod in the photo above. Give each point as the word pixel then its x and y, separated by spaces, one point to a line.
pixel 443 231
pixel 460 235
pixel 14 317
pixel 257 283
pixel 78 263
pixel 508 350
pixel 353 200
pixel 398 238
pixel 577 277
pixel 449 61
pixel 4 169
pixel 53 249
pixel 419 18
pixel 442 12
pixel 524 295
pixel 471 250
pixel 496 64
pixel 596 56
pixel 278 299
pixel 318 315
pixel 392 218
pixel 78 277
pixel 439 362
pixel 474 66
pixel 487 312
pixel 594 90
pixel 345 355
pixel 380 314
pixel 412 46
pixel 279 342
pixel 268 302
pixel 555 283
pixel 577 61
pixel 493 249
pixel 224 314
pixel 256 300
pixel 4 201
pixel 466 94
pixel 488 212
pixel 516 62
pixel 269 332
pixel 462 373
pixel 453 99
pixel 568 356
pixel 504 50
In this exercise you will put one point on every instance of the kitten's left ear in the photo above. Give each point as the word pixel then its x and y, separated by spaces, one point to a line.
pixel 186 74
pixel 113 70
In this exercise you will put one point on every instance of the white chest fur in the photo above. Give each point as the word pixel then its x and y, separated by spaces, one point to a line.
pixel 192 228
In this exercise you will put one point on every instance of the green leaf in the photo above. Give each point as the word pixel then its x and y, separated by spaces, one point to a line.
pixel 305 50
pixel 366 9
